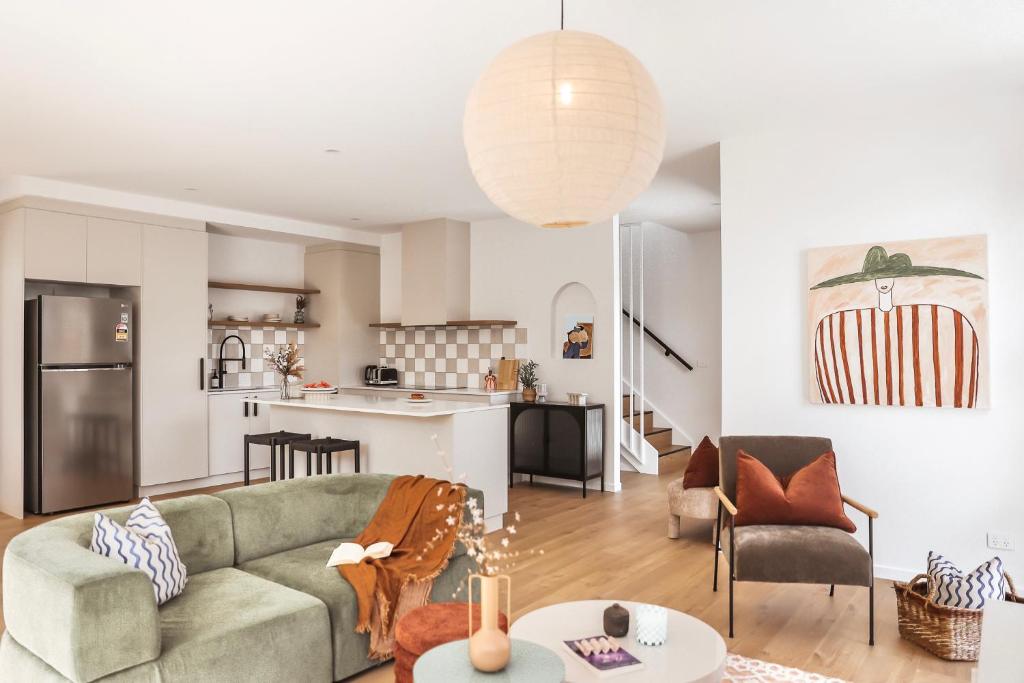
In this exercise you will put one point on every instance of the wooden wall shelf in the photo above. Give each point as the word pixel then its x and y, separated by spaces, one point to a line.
pixel 259 324
pixel 452 323
pixel 261 288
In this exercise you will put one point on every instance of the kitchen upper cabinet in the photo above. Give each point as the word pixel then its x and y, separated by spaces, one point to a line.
pixel 55 245
pixel 171 355
pixel 114 252
pixel 230 420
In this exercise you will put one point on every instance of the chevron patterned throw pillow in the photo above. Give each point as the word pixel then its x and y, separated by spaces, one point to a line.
pixel 144 542
pixel 954 588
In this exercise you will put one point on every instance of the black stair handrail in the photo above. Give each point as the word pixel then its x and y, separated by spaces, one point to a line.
pixel 657 340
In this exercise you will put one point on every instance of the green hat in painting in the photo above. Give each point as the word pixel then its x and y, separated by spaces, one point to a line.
pixel 880 265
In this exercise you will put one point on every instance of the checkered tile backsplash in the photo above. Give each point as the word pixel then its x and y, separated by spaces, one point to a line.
pixel 449 357
pixel 257 372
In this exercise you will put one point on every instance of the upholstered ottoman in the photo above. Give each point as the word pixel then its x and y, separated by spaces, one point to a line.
pixel 698 503
pixel 429 626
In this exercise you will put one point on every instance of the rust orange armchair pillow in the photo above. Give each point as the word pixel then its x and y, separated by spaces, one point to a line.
pixel 702 470
pixel 808 496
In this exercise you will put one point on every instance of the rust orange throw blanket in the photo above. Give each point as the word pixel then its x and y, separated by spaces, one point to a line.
pixel 419 516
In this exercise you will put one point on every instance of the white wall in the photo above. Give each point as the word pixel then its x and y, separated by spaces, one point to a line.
pixel 516 270
pixel 682 305
pixel 255 261
pixel 939 477
pixel 12 361
pixel 349 300
pixel 391 277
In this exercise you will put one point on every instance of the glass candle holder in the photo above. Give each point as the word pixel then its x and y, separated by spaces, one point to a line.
pixel 651 624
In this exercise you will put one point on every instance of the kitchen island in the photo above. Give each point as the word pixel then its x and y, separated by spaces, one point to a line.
pixel 395 437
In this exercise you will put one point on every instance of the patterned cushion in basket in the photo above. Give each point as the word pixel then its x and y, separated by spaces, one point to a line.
pixel 954 588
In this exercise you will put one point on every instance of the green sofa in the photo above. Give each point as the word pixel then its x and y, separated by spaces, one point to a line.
pixel 259 604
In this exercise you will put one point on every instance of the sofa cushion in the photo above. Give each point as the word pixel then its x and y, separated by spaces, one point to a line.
pixel 145 543
pixel 808 496
pixel 17 663
pixel 702 470
pixel 201 526
pixel 230 625
pixel 65 604
pixel 799 554
pixel 303 569
pixel 781 454
pixel 294 513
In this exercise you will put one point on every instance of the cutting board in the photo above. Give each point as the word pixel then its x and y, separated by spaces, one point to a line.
pixel 508 374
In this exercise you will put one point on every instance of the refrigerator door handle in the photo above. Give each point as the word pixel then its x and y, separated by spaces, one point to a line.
pixel 105 369
pixel 202 374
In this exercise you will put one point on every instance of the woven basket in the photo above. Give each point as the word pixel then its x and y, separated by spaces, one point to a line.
pixel 952 633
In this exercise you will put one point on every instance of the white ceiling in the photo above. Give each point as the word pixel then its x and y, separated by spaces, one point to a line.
pixel 240 99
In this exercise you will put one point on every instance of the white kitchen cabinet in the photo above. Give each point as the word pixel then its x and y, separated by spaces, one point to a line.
pixel 113 252
pixel 171 356
pixel 55 245
pixel 230 420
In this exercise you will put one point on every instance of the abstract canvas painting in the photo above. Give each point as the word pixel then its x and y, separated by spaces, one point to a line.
pixel 579 337
pixel 900 323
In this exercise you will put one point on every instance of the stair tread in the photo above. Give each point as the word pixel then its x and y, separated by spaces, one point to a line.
pixel 657 430
pixel 674 448
pixel 636 413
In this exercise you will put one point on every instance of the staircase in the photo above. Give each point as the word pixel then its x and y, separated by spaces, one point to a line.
pixel 660 438
pixel 642 444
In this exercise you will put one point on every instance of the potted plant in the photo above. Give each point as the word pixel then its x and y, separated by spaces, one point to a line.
pixel 528 376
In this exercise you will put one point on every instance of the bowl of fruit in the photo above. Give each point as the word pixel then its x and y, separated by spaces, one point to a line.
pixel 320 388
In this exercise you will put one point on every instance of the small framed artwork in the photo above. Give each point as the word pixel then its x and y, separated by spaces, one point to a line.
pixel 579 337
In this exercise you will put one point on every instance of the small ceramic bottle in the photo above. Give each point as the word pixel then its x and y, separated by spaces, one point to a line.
pixel 616 621
pixel 490 381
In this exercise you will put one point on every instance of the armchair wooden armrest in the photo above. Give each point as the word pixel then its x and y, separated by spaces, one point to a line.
pixel 725 501
pixel 860 506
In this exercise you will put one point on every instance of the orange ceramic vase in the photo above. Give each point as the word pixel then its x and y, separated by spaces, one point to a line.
pixel 489 647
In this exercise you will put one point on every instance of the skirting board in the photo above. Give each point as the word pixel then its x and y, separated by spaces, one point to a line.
pixel 592 485
pixel 894 573
pixel 194 484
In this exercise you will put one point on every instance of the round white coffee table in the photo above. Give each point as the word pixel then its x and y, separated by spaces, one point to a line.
pixel 693 652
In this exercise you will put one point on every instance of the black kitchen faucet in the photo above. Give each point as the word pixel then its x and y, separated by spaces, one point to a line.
pixel 221 359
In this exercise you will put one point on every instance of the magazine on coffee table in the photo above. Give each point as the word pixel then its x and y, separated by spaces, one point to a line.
pixel 603 656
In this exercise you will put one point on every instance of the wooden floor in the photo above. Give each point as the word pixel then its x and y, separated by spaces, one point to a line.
pixel 614 546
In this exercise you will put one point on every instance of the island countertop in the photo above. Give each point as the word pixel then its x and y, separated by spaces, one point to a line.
pixel 382 405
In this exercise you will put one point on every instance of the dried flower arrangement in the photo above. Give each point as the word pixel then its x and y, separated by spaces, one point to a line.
pixel 491 551
pixel 287 363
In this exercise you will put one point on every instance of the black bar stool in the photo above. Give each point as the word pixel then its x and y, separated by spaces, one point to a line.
pixel 323 449
pixel 276 441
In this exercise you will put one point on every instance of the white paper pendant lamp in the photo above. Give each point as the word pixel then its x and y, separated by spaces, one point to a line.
pixel 564 129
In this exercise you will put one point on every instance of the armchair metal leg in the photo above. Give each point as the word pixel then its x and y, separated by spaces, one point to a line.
pixel 718 545
pixel 871 588
pixel 831 590
pixel 732 571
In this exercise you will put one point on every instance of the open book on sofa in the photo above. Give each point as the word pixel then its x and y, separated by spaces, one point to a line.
pixel 353 553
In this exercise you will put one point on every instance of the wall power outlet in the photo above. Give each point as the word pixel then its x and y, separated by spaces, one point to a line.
pixel 998 541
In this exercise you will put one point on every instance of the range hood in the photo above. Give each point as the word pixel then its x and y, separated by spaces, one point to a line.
pixel 433 259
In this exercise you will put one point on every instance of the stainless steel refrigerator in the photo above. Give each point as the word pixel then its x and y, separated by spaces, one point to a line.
pixel 78 402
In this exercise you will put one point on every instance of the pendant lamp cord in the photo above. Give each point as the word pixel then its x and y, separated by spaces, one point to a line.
pixel 563 16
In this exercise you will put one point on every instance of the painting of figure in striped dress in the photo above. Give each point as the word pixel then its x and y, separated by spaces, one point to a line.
pixel 892 333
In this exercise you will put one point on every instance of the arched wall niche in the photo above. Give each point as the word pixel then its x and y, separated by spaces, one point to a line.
pixel 573 299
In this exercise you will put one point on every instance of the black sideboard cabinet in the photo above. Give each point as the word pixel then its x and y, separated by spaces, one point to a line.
pixel 553 439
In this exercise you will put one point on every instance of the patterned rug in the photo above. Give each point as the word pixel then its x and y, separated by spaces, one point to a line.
pixel 745 670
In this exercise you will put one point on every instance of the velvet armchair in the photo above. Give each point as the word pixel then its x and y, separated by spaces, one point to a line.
pixel 788 553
